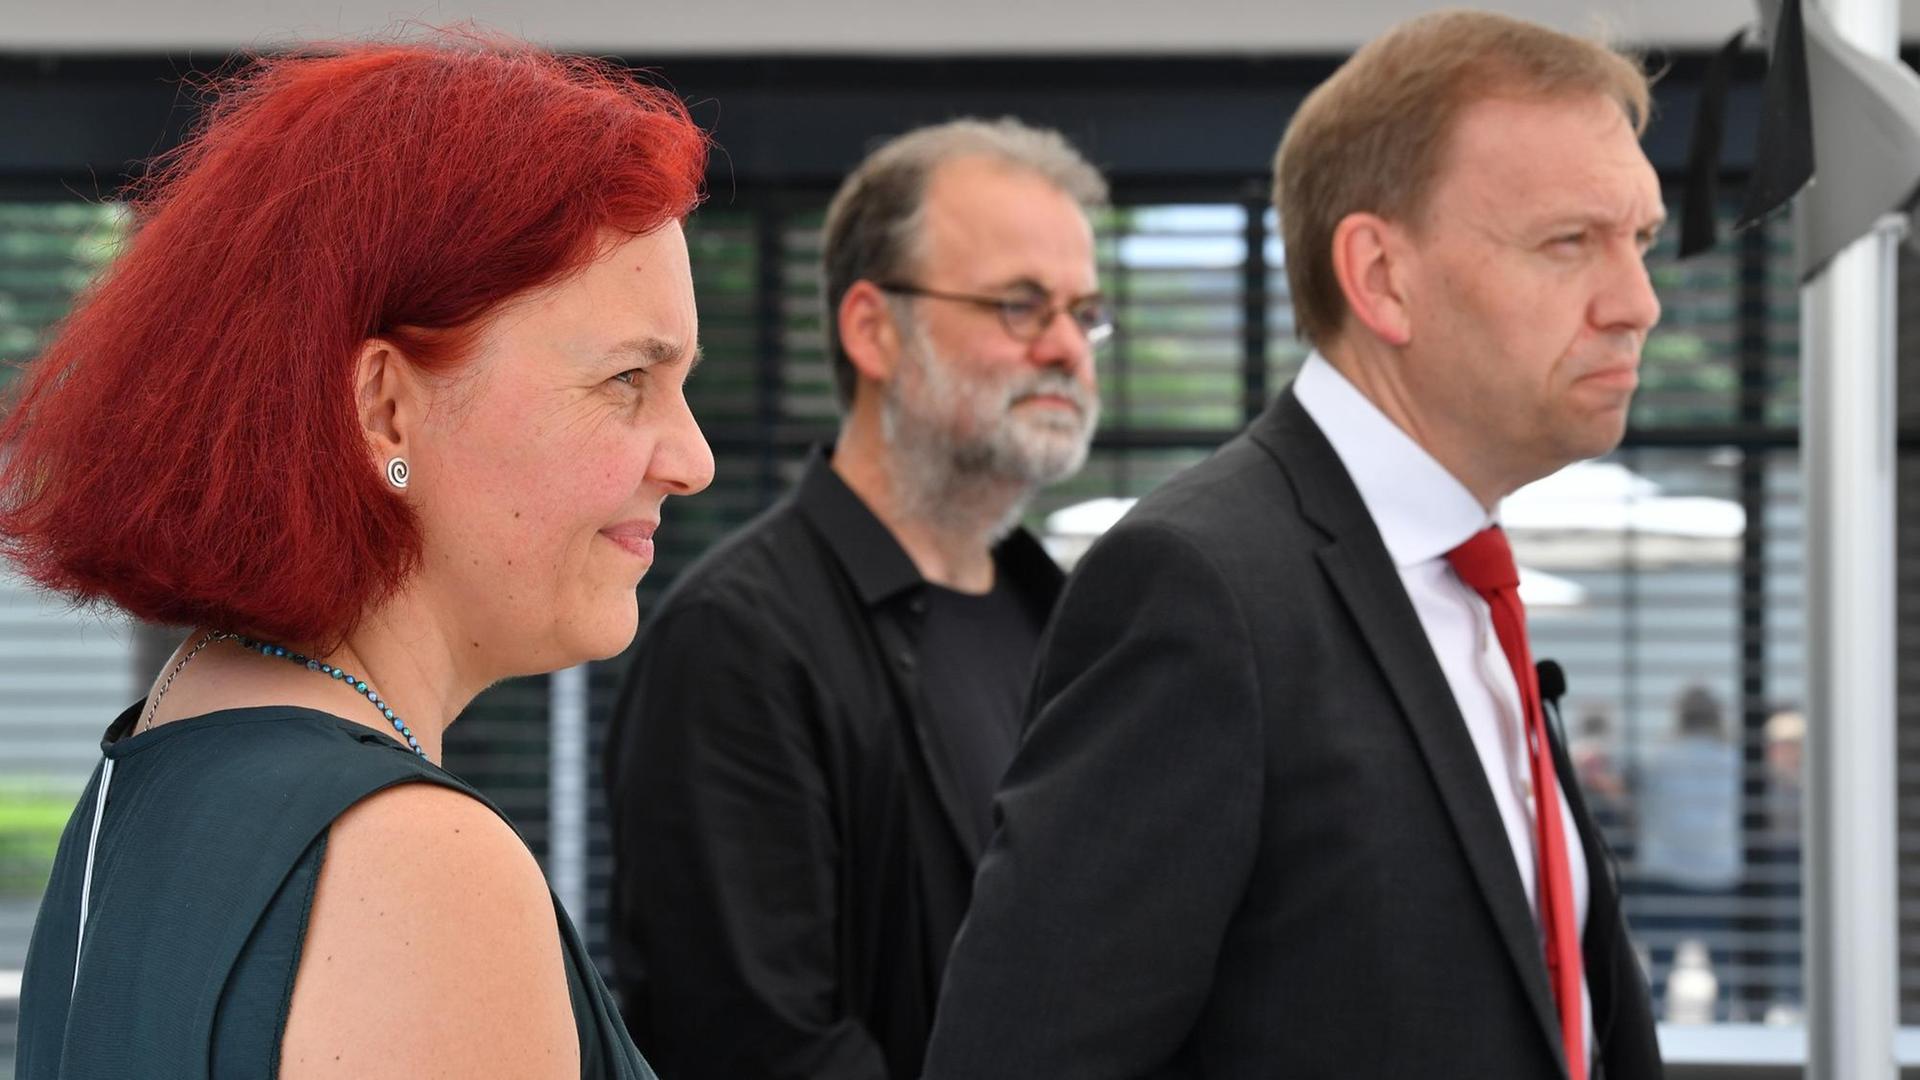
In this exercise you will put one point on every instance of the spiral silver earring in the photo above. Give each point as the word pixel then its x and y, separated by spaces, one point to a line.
pixel 397 472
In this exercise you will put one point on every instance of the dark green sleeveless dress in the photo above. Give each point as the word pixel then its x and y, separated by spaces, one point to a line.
pixel 203 873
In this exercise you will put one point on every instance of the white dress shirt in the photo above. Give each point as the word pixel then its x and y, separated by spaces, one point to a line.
pixel 1423 512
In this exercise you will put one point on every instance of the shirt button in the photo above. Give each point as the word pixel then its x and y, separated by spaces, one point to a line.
pixel 907 662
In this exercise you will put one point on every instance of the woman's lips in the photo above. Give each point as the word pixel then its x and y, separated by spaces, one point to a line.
pixel 635 536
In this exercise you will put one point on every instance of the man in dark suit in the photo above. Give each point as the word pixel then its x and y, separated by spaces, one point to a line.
pixel 802 762
pixel 1274 814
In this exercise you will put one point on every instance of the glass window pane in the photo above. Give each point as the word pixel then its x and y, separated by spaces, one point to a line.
pixel 1175 274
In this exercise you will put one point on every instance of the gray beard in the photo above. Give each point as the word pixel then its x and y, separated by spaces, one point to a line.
pixel 966 476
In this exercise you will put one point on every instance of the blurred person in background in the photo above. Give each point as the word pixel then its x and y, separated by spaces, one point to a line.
pixel 803 758
pixel 1687 853
pixel 1594 751
pixel 1689 801
pixel 1785 738
pixel 1777 858
pixel 1287 803
pixel 383 400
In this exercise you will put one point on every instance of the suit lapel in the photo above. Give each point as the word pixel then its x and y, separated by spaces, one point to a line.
pixel 1362 573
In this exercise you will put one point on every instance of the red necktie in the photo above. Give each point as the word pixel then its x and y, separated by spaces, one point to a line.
pixel 1485 563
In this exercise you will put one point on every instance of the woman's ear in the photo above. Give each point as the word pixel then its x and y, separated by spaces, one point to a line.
pixel 868 333
pixel 1368 261
pixel 387 391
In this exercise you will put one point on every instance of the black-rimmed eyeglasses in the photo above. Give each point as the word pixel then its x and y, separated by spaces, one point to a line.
pixel 1026 313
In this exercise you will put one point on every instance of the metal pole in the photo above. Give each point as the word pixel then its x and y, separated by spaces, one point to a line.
pixel 567 790
pixel 1850 874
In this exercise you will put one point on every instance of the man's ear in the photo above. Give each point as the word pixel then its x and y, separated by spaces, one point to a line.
pixel 1370 262
pixel 867 332
pixel 388 392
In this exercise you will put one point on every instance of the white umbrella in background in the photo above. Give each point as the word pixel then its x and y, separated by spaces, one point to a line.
pixel 1599 515
pixel 1545 594
pixel 1071 530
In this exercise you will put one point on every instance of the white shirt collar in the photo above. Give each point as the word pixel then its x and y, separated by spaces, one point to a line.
pixel 1422 510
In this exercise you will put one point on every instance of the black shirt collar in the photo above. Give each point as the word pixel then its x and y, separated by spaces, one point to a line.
pixel 878 566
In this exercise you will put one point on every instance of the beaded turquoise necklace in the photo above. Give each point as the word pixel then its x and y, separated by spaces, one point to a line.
pixel 267 648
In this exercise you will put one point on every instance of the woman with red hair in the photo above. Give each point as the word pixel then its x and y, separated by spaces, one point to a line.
pixel 383 398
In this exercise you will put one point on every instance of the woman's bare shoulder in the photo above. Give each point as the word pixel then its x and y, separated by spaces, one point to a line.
pixel 432 949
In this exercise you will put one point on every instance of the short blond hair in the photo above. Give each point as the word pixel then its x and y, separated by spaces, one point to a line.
pixel 1372 137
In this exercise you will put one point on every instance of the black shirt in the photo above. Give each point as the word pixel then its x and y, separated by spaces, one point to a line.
pixel 794 837
pixel 978 653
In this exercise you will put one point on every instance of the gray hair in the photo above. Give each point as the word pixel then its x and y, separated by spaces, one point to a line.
pixel 874 222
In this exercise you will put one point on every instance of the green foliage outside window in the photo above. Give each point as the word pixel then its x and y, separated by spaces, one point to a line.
pixel 31 819
pixel 49 252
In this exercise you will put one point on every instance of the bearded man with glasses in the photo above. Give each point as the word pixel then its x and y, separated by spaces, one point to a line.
pixel 802 763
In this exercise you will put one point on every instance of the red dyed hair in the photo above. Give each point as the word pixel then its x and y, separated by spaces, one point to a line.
pixel 189 447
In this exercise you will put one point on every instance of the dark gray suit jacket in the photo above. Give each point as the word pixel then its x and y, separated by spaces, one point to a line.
pixel 1248 834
